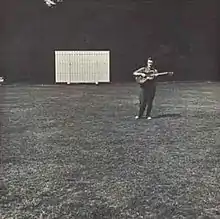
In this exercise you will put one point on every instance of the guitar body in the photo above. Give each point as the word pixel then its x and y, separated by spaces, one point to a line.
pixel 150 76
pixel 141 79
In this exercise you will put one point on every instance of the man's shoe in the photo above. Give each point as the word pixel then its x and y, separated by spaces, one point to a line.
pixel 148 117
pixel 137 117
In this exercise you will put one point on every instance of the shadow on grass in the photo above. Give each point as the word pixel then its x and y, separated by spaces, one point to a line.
pixel 169 115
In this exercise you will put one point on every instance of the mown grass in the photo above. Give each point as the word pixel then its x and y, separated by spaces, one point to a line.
pixel 77 152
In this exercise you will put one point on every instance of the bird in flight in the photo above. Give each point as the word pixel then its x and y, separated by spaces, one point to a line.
pixel 50 3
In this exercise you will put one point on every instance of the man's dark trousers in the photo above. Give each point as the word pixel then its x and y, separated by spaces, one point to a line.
pixel 146 98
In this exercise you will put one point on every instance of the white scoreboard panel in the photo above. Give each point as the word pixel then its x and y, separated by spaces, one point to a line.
pixel 82 66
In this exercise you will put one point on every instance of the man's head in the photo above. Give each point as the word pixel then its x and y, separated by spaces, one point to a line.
pixel 150 62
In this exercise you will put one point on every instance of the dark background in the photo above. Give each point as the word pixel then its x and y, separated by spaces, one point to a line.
pixel 180 35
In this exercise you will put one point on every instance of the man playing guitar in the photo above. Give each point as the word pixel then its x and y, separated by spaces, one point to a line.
pixel 146 77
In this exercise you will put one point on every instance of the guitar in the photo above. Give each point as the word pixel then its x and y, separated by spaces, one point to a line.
pixel 143 79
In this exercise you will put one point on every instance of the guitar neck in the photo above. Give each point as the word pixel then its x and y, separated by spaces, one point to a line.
pixel 162 73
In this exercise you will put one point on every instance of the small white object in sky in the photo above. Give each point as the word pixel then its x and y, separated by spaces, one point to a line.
pixel 50 2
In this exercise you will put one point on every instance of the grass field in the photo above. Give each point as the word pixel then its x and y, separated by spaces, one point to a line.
pixel 77 152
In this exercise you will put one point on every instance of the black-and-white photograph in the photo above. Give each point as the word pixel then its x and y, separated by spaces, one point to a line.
pixel 109 109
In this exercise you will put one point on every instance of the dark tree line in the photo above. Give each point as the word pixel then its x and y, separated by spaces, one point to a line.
pixel 181 35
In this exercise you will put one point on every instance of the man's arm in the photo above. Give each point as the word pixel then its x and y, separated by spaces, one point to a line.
pixel 139 72
pixel 155 72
